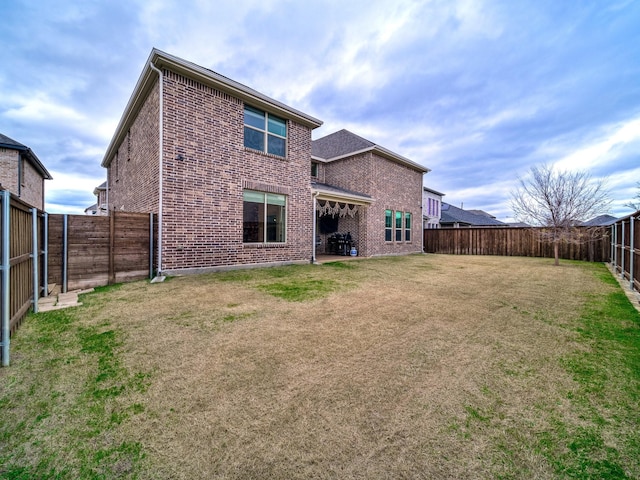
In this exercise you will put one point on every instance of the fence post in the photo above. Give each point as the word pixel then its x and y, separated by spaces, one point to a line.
pixel 65 249
pixel 5 200
pixel 632 253
pixel 35 258
pixel 45 254
pixel 622 252
pixel 112 234
pixel 613 247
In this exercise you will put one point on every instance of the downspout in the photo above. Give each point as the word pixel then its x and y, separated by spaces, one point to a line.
pixel 160 152
pixel 313 216
pixel 107 199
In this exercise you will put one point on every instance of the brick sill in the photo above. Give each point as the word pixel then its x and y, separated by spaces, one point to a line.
pixel 265 154
pixel 264 245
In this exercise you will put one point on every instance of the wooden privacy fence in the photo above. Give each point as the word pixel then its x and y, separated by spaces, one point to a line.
pixel 90 251
pixel 625 249
pixel 22 264
pixel 74 251
pixel 510 241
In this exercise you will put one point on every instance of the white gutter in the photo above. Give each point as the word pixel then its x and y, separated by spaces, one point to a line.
pixel 160 152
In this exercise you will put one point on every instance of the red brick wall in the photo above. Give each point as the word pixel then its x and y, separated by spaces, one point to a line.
pixel 32 185
pixel 393 186
pixel 9 169
pixel 205 168
pixel 132 177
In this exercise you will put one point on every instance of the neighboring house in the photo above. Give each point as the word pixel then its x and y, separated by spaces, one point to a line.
pixel 431 207
pixel 100 207
pixel 21 172
pixel 227 170
pixel 454 217
pixel 368 192
pixel 600 221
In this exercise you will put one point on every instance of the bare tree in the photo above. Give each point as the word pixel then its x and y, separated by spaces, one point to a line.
pixel 634 203
pixel 559 201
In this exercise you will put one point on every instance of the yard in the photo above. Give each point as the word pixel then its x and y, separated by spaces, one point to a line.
pixel 426 366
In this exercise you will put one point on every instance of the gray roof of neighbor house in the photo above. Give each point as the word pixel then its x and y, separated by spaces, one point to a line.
pixel 451 214
pixel 161 60
pixel 6 142
pixel 343 143
pixel 600 221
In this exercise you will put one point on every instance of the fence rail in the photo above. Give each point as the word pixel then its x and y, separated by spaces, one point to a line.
pixel 625 249
pixel 509 241
pixel 74 251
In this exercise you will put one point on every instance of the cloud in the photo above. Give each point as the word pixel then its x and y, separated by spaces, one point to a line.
pixel 70 193
pixel 605 148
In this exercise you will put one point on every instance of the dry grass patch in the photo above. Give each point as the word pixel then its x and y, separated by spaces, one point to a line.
pixel 407 367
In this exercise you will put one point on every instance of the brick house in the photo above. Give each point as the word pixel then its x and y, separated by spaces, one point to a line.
pixel 431 207
pixel 21 172
pixel 367 192
pixel 228 171
pixel 100 207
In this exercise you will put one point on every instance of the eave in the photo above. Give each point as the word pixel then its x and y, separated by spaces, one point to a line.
pixel 383 152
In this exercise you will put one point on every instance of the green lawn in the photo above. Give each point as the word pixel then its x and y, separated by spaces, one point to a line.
pixel 425 366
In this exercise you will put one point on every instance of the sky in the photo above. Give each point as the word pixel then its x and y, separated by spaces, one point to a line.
pixel 478 91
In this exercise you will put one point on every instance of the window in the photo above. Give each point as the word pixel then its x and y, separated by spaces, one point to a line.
pixel 388 224
pixel 265 132
pixel 398 226
pixel 314 169
pixel 407 227
pixel 429 207
pixel 264 217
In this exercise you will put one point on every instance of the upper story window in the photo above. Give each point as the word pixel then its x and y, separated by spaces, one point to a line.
pixel 314 169
pixel 265 132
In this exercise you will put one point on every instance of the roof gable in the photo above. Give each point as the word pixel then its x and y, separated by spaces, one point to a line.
pixel 338 144
pixel 343 143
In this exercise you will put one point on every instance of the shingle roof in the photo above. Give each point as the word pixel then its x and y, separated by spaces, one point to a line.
pixel 451 214
pixel 343 143
pixel 11 143
pixel 600 221
pixel 338 144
